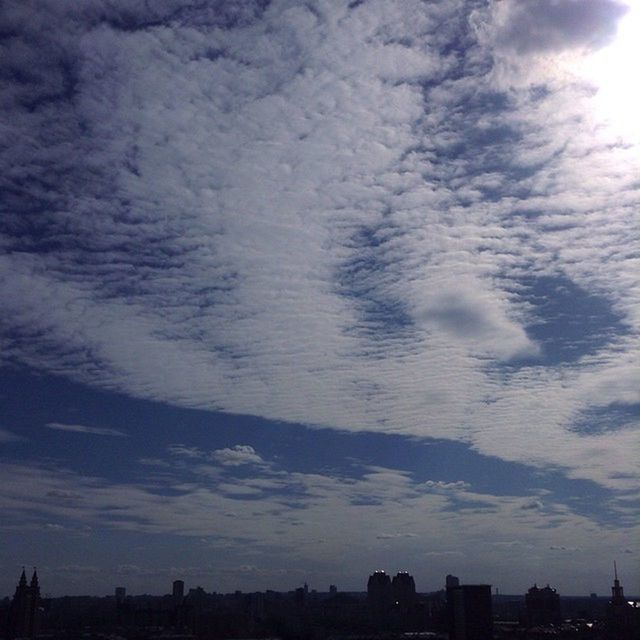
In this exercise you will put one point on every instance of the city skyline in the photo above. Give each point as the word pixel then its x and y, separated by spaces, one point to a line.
pixel 294 290
pixel 178 588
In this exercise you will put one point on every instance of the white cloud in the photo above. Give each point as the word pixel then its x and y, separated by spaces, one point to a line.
pixel 325 217
pixel 186 452
pixel 79 428
pixel 439 485
pixel 320 526
pixel 236 456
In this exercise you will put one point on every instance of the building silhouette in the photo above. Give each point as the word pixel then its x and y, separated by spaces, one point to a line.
pixel 452 581
pixel 178 591
pixel 470 615
pixel 379 595
pixel 403 590
pixel 622 617
pixel 542 606
pixel 24 610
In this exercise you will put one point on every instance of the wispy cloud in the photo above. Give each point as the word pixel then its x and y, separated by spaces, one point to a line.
pixel 280 520
pixel 315 510
pixel 79 428
pixel 8 436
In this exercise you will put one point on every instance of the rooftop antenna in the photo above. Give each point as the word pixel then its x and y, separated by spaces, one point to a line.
pixel 615 570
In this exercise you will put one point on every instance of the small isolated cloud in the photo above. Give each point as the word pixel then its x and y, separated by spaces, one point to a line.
pixel 186 452
pixel 562 548
pixel 131 570
pixel 254 570
pixel 154 462
pixel 391 536
pixel 58 494
pixel 79 428
pixel 443 553
pixel 532 505
pixel 78 569
pixel 511 543
pixel 7 436
pixel 440 485
pixel 236 456
pixel 247 568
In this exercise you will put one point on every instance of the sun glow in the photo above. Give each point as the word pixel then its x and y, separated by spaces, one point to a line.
pixel 614 72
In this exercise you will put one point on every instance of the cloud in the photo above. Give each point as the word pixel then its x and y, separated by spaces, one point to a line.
pixel 440 485
pixel 554 548
pixel 532 504
pixel 8 436
pixel 78 569
pixel 236 456
pixel 324 217
pixel 526 26
pixel 78 428
pixel 320 527
pixel 186 452
pixel 474 314
pixel 154 462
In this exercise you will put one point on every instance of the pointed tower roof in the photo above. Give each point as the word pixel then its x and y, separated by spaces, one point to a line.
pixel 617 592
pixel 23 579
pixel 34 578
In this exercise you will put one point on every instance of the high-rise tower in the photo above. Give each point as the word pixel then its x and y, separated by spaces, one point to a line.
pixel 617 592
pixel 403 589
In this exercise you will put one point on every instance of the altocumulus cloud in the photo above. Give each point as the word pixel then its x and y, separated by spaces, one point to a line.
pixel 324 214
pixel 319 523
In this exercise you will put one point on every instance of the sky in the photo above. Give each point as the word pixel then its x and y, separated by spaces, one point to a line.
pixel 294 291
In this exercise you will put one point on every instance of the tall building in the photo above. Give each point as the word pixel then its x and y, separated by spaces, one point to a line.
pixel 469 611
pixel 452 581
pixel 178 591
pixel 24 610
pixel 403 589
pixel 542 606
pixel 379 595
pixel 623 618
pixel 617 591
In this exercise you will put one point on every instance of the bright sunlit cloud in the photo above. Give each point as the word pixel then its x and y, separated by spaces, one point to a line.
pixel 613 71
